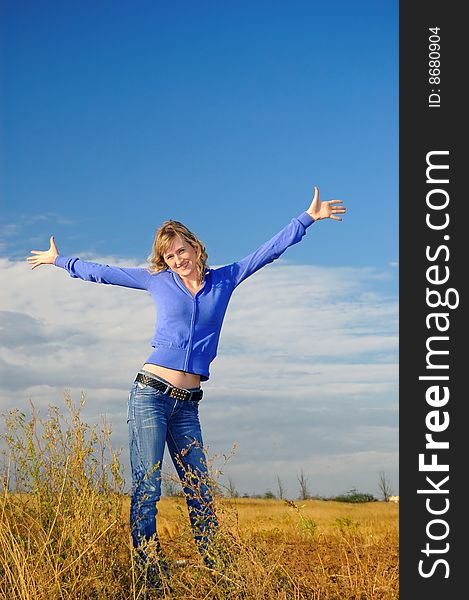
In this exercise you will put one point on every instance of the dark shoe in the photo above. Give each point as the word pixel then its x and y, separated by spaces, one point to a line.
pixel 156 581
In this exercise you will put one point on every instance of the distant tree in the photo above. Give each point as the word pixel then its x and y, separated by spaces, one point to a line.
pixel 303 481
pixel 171 486
pixel 232 491
pixel 269 495
pixel 280 489
pixel 384 486
pixel 354 496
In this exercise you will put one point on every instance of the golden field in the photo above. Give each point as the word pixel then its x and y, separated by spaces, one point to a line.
pixel 296 549
pixel 64 531
pixel 311 549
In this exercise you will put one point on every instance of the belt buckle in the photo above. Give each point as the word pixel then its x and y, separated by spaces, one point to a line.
pixel 178 393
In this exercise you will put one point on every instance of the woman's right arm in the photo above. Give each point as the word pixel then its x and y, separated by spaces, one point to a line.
pixel 137 278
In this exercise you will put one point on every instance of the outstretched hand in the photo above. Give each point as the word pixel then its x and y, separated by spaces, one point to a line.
pixel 44 257
pixel 328 209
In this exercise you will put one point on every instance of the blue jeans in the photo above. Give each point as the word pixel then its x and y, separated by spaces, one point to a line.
pixel 155 419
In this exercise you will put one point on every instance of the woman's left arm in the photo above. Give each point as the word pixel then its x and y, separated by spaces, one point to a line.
pixel 288 236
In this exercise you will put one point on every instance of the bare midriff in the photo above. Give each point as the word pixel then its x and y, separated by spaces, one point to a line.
pixel 179 379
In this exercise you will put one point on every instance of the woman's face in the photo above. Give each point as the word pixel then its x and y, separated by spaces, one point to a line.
pixel 181 258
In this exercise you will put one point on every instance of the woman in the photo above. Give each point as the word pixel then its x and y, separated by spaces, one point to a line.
pixel 191 300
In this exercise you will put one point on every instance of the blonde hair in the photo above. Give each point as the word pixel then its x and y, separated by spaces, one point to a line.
pixel 164 237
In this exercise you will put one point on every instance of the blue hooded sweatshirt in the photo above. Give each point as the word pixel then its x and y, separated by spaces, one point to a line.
pixel 188 327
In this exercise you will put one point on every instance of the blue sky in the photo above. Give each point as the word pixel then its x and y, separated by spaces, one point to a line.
pixel 115 116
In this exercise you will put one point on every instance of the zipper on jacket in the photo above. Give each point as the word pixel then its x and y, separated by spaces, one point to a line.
pixel 191 334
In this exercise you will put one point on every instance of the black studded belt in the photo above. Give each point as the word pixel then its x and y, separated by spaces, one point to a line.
pixel 174 392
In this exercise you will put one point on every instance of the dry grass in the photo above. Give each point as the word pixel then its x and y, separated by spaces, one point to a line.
pixel 64 535
pixel 312 549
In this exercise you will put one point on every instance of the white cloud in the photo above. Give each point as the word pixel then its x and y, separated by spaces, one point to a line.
pixel 306 375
